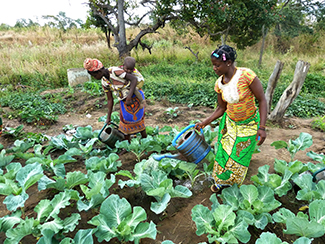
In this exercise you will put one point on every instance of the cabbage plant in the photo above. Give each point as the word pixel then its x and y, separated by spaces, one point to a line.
pixel 311 225
pixel 16 181
pixel 116 219
pixel 16 227
pixel 303 142
pixel 154 182
pixel 267 237
pixel 221 224
pixel 251 203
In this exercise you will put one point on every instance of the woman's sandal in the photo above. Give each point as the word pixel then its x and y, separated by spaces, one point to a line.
pixel 215 188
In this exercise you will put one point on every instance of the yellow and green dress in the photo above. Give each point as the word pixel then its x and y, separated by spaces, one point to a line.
pixel 237 130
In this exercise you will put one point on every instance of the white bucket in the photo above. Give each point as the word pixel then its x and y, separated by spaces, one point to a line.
pixel 78 76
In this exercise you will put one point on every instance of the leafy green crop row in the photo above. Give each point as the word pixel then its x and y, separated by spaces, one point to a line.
pixel 226 223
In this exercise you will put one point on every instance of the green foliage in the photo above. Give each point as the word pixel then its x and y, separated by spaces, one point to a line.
pixel 294 20
pixel 267 237
pixel 301 143
pixel 172 112
pixel 96 191
pixel 116 219
pixel 16 182
pixel 252 203
pixel 61 21
pixel 155 182
pixel 33 108
pixel 236 19
pixel 140 147
pixel 303 107
pixel 319 123
pixel 280 185
pixel 220 223
pixel 28 137
pixel 314 83
pixel 104 164
pixel 47 220
pixel 94 88
pixel 182 92
pixel 311 226
pixel 309 190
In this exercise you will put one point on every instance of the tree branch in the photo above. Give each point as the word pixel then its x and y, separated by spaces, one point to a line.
pixel 195 54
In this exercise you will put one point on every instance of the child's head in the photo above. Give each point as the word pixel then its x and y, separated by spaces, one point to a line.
pixel 224 53
pixel 129 64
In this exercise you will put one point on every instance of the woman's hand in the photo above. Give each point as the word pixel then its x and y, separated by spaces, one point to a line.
pixel 199 125
pixel 108 120
pixel 128 100
pixel 260 136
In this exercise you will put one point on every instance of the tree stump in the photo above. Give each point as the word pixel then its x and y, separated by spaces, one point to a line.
pixel 273 80
pixel 291 92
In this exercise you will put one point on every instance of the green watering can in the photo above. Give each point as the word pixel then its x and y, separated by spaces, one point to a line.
pixel 110 135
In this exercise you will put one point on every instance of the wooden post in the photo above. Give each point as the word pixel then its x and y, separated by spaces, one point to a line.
pixel 291 92
pixel 273 80
pixel 264 33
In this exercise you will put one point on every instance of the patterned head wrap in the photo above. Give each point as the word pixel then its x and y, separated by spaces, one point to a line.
pixel 92 64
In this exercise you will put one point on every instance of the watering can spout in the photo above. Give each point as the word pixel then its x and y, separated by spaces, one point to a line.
pixel 160 157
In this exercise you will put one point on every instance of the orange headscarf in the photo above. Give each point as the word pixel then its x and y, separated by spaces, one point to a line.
pixel 92 64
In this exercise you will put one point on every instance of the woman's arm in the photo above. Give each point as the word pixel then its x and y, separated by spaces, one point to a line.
pixel 220 110
pixel 110 103
pixel 257 89
pixel 133 84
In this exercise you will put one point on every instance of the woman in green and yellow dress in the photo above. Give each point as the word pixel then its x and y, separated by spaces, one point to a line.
pixel 242 125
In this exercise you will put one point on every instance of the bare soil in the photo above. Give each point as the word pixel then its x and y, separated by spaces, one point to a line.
pixel 175 223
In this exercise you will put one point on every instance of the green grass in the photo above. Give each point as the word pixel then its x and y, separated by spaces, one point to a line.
pixel 171 72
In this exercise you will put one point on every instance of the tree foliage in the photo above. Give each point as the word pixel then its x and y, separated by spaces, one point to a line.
pixel 24 23
pixel 297 17
pixel 241 21
pixel 61 21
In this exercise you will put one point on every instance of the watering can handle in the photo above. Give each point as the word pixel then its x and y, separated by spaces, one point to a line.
pixel 112 123
pixel 182 132
pixel 317 172
pixel 105 127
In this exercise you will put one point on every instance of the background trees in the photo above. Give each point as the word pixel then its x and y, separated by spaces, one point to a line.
pixel 239 21
pixel 297 17
pixel 118 14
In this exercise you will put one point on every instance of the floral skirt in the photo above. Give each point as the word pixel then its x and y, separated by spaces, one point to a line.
pixel 236 144
pixel 131 116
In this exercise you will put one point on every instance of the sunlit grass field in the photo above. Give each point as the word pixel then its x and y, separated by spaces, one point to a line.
pixel 41 56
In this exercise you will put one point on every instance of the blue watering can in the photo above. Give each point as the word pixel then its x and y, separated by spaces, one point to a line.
pixel 191 146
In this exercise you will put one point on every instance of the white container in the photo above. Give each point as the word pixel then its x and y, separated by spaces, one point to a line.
pixel 78 76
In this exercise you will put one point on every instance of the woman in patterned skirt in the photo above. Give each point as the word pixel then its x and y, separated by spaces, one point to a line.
pixel 122 84
pixel 242 125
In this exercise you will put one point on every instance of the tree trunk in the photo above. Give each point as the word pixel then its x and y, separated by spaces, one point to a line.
pixel 291 92
pixel 273 80
pixel 121 46
pixel 108 37
pixel 264 33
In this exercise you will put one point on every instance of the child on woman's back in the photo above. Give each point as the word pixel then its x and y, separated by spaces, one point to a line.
pixel 129 67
